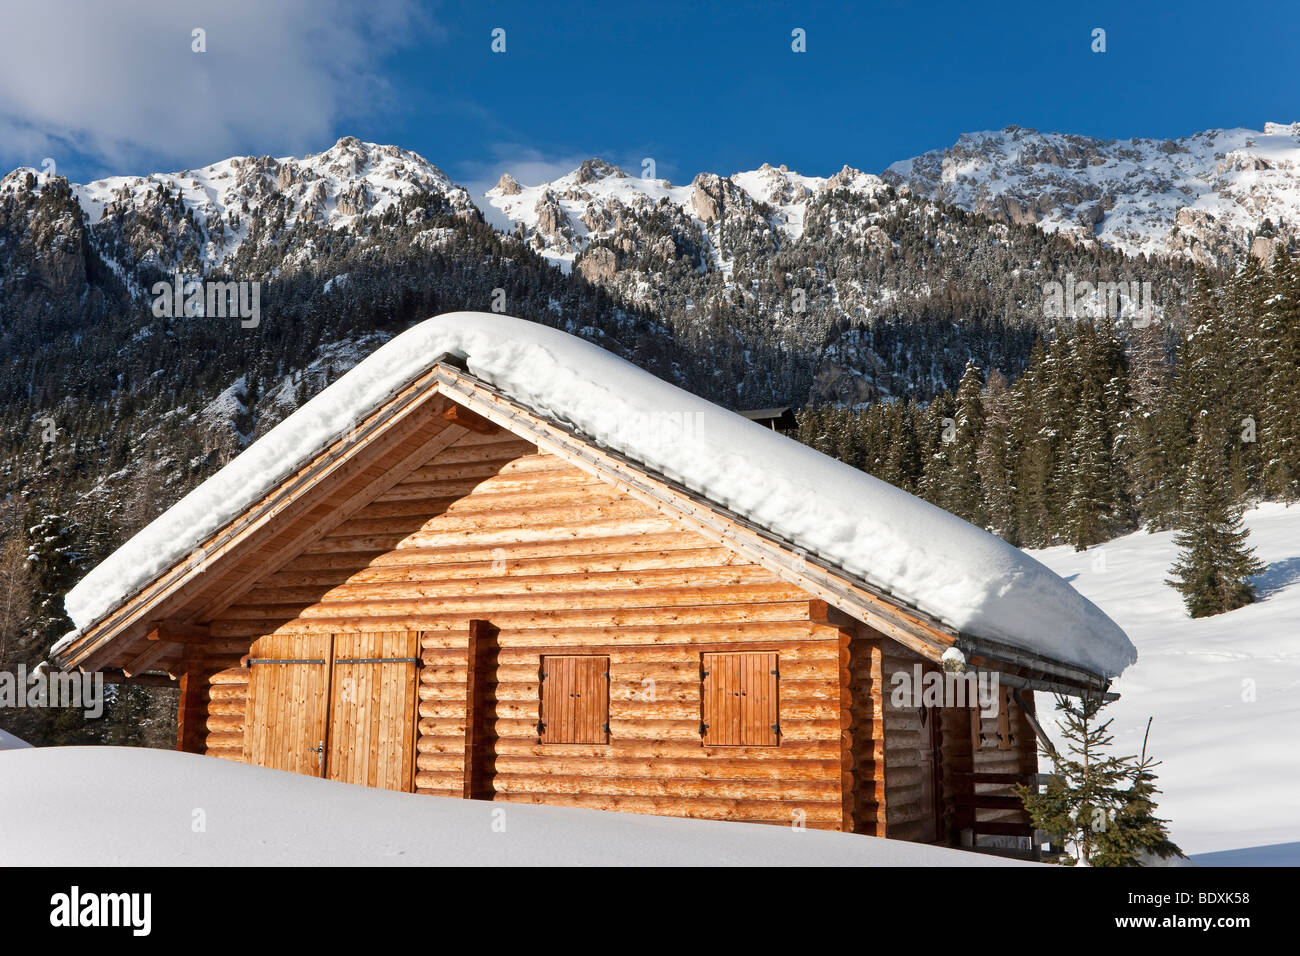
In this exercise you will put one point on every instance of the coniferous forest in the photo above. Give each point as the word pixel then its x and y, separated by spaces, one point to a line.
pixel 1110 429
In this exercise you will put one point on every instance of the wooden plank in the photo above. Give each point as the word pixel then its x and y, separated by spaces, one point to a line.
pixel 288 700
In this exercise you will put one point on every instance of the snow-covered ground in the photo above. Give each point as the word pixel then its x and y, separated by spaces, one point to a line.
pixel 118 806
pixel 1224 690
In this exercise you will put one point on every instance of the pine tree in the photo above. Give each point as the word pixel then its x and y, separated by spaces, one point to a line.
pixel 1092 508
pixel 1280 416
pixel 963 493
pixel 1135 834
pixel 1214 562
pixel 993 459
pixel 1081 799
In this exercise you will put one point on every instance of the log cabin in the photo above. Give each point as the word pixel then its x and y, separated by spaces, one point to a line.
pixel 495 562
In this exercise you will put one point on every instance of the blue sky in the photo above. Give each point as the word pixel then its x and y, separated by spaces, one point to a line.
pixel 692 88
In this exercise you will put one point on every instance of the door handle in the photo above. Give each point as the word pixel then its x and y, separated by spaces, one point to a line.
pixel 319 750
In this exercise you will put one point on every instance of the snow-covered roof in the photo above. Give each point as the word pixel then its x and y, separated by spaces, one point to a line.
pixel 954 572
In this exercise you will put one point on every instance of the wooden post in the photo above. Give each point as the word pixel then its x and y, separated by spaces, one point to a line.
pixel 480 656
pixel 191 705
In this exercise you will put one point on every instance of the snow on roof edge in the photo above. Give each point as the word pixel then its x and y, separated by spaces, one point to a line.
pixel 956 573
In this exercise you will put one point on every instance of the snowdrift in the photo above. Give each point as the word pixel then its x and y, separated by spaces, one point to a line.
pixel 117 806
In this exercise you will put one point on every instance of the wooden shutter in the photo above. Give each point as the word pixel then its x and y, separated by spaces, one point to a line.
pixel 372 709
pixel 739 700
pixel 575 700
pixel 287 683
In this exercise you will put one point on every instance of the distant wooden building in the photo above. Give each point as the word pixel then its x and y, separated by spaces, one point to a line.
pixel 780 419
pixel 462 598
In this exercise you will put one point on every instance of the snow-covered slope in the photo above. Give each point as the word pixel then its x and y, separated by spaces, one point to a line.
pixel 1205 195
pixel 1223 690
pixel 950 569
pixel 598 199
pixel 121 806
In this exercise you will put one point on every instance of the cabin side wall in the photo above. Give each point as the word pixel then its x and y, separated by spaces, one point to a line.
pixel 557 562
pixel 912 781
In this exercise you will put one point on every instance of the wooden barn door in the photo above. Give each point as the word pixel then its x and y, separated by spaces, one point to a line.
pixel 372 709
pixel 340 706
pixel 288 686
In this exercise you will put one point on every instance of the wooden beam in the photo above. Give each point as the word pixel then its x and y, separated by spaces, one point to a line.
pixel 118 676
pixel 154 652
pixel 178 632
pixel 462 416
pixel 191 708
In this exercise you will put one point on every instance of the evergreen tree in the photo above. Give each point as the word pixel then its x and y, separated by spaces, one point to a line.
pixel 1084 794
pixel 1280 425
pixel 1135 834
pixel 1214 562
pixel 993 459
pixel 962 492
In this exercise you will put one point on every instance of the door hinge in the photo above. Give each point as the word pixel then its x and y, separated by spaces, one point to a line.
pixel 377 660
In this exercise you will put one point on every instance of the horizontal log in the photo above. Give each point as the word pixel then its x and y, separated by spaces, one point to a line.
pixel 700 768
pixel 490 606
pixel 411 514
pixel 447 629
pixel 591 527
pixel 811 791
pixel 562 548
pixel 484 522
pixel 412 490
pixel 221 724
pixel 527 745
pixel 753 811
pixel 492 587
pixel 498 562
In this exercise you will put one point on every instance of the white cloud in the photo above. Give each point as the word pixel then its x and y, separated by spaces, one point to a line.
pixel 119 81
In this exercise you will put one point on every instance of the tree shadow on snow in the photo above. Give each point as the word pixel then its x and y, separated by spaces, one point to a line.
pixel 1276 577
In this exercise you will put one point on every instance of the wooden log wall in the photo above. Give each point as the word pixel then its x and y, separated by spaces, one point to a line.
pixel 867 770
pixel 560 562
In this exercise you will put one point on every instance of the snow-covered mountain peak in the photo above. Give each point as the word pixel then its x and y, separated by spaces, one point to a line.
pixel 598 200
pixel 349 180
pixel 1210 196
